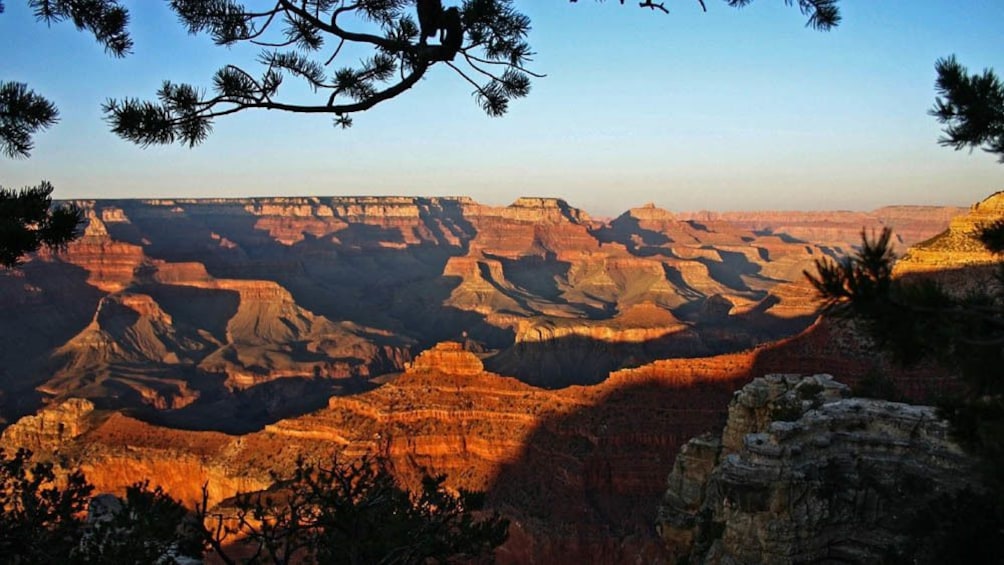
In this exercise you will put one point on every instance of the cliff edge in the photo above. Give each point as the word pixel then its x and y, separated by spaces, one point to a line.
pixel 804 474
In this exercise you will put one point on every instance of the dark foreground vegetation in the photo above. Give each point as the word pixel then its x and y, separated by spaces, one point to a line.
pixel 345 513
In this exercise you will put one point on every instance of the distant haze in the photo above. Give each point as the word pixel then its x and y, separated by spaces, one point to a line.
pixel 725 110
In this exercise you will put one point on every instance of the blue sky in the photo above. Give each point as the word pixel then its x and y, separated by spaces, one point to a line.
pixel 725 110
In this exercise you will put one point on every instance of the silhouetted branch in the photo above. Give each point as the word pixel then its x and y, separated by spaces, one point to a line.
pixel 660 6
pixel 23 113
pixel 471 59
pixel 971 106
pixel 186 114
pixel 29 221
pixel 218 533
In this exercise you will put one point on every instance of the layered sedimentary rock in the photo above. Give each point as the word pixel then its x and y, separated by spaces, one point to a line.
pixel 842 228
pixel 803 474
pixel 165 302
pixel 51 428
pixel 110 264
pixel 956 257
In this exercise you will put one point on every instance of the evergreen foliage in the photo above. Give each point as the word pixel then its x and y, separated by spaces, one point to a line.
pixel 301 39
pixel 355 514
pixel 43 520
pixel 23 113
pixel 963 333
pixel 823 14
pixel 28 221
pixel 922 319
pixel 40 522
pixel 971 106
pixel 106 20
pixel 147 526
pixel 912 321
pixel 351 513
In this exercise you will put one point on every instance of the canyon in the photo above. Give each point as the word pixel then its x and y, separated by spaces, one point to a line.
pixel 555 361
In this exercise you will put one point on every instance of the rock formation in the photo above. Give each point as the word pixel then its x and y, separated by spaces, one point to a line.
pixel 956 257
pixel 590 455
pixel 803 474
pixel 51 428
pixel 842 228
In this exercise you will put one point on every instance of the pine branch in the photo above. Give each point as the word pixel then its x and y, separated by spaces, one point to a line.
pixel 23 113
pixel 28 222
pixel 488 33
pixel 492 27
pixel 105 19
pixel 971 106
pixel 473 59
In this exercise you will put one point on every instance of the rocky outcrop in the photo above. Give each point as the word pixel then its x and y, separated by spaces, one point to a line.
pixel 574 468
pixel 447 357
pixel 249 331
pixel 111 264
pixel 956 257
pixel 804 474
pixel 297 318
pixel 51 428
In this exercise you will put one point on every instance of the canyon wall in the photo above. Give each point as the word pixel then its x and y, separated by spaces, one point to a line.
pixel 910 224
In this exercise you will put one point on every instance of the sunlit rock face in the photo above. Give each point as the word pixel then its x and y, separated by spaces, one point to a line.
pixel 802 473
pixel 50 429
pixel 956 257
pixel 910 224
pixel 577 469
pixel 449 358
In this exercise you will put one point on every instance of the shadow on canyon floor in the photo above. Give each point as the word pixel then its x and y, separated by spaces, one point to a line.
pixel 250 410
pixel 60 305
pixel 364 273
pixel 584 360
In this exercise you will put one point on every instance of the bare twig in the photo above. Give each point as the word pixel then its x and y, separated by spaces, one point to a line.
pixel 471 58
pixel 654 6
pixel 335 54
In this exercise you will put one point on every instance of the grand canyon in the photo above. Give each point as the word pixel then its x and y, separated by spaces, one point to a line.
pixel 555 361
